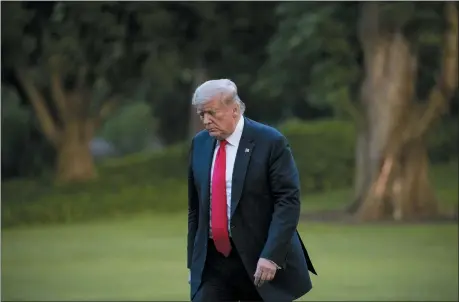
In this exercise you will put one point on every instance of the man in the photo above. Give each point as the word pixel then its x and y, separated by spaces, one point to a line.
pixel 243 206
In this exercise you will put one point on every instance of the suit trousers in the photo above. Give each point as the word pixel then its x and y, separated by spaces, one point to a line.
pixel 225 278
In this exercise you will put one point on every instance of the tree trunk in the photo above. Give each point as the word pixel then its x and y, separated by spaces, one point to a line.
pixel 362 172
pixel 402 190
pixel 387 96
pixel 74 159
pixel 71 132
pixel 413 195
pixel 398 185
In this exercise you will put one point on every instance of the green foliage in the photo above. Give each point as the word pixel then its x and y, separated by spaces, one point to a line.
pixel 15 118
pixel 17 138
pixel 323 151
pixel 124 46
pixel 314 52
pixel 145 182
pixel 15 127
pixel 16 45
pixel 152 50
pixel 157 182
pixel 131 129
pixel 443 140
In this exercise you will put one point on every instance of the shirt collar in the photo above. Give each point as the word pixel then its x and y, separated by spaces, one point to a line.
pixel 235 137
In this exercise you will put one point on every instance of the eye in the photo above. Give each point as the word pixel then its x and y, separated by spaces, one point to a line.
pixel 210 112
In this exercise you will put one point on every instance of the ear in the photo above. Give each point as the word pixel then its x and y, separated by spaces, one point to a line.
pixel 235 111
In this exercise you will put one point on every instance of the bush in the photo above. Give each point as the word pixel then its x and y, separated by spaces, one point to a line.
pixel 324 153
pixel 145 182
pixel 323 150
pixel 131 128
pixel 443 141
pixel 18 138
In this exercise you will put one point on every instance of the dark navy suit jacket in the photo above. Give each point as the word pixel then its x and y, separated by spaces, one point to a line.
pixel 265 208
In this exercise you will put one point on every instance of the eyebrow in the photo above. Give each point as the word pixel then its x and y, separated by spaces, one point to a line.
pixel 207 110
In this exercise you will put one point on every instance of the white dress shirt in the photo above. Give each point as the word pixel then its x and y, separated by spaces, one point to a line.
pixel 231 150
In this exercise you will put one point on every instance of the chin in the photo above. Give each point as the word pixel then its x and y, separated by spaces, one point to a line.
pixel 215 134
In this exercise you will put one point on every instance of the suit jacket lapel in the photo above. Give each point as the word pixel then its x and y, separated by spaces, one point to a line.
pixel 241 163
pixel 208 153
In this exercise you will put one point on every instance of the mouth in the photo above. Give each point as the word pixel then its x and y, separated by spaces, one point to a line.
pixel 213 132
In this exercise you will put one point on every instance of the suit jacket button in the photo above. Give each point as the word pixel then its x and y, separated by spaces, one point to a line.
pixel 232 226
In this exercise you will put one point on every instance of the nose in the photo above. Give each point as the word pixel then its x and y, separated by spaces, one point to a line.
pixel 206 119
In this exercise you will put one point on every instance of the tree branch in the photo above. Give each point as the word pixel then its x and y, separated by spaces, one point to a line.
pixel 82 90
pixel 92 124
pixel 107 108
pixel 369 25
pixel 48 125
pixel 443 90
pixel 81 77
pixel 400 92
pixel 375 49
pixel 57 88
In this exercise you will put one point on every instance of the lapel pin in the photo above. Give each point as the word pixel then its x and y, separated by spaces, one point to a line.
pixel 247 150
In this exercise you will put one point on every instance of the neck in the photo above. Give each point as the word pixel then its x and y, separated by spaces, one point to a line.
pixel 238 118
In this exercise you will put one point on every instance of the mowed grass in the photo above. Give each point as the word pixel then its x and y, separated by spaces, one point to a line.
pixel 143 258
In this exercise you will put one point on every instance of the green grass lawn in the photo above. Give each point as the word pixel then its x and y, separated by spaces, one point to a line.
pixel 445 179
pixel 143 258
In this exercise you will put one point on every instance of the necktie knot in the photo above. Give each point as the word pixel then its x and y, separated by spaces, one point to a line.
pixel 223 143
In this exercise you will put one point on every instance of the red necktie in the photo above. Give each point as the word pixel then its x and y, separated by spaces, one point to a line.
pixel 219 213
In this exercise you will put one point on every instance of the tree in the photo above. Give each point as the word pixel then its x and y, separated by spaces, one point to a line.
pixel 73 61
pixel 314 57
pixel 317 48
pixel 393 148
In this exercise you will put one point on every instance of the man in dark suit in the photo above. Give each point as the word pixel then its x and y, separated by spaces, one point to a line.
pixel 243 206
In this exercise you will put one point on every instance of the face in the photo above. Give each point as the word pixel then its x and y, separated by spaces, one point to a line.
pixel 218 118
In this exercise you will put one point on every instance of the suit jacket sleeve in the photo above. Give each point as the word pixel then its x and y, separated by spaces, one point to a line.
pixel 193 210
pixel 285 190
